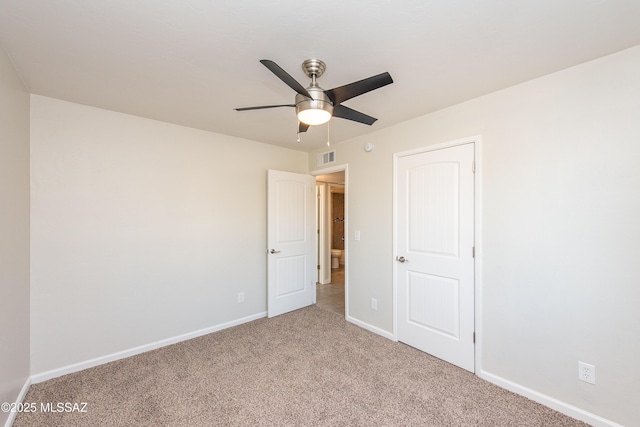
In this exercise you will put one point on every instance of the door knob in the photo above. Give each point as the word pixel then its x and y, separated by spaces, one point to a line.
pixel 401 259
pixel 273 251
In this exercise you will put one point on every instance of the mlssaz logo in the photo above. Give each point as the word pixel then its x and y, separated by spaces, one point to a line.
pixel 63 407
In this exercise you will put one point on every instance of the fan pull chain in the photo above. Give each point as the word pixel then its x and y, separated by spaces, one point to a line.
pixel 328 143
pixel 298 133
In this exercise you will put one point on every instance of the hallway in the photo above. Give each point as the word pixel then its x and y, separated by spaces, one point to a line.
pixel 331 296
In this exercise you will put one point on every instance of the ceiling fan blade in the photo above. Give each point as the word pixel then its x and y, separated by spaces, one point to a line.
pixel 342 93
pixel 302 127
pixel 262 107
pixel 285 77
pixel 351 114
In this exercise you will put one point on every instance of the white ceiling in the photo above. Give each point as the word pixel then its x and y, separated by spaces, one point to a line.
pixel 191 62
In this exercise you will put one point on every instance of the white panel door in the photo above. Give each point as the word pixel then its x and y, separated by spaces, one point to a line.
pixel 291 265
pixel 435 266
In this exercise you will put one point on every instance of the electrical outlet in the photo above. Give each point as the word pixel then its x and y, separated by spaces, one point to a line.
pixel 240 296
pixel 374 304
pixel 586 373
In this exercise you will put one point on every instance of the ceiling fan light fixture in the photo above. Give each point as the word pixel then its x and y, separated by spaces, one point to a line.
pixel 314 115
pixel 314 111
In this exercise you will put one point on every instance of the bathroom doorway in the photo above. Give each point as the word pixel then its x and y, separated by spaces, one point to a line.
pixel 332 242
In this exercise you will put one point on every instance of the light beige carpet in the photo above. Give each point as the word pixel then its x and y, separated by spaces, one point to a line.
pixel 309 367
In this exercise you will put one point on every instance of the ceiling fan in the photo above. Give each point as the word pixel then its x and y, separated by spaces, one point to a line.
pixel 314 105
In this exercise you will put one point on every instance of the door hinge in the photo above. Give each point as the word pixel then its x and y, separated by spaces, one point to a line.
pixel 473 167
pixel 473 251
pixel 318 266
pixel 474 337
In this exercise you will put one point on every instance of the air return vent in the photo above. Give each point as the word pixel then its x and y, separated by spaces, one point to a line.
pixel 326 158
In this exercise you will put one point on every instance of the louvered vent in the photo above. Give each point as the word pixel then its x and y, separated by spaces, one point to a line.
pixel 326 158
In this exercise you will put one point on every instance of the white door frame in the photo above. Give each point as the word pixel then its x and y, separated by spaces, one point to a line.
pixel 327 255
pixel 321 212
pixel 477 222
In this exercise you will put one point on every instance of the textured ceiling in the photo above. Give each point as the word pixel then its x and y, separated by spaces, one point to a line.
pixel 191 62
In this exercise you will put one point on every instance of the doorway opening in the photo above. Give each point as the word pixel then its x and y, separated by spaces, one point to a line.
pixel 332 242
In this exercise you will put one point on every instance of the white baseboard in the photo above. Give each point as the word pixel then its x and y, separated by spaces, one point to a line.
pixel 54 373
pixel 371 328
pixel 19 399
pixel 558 405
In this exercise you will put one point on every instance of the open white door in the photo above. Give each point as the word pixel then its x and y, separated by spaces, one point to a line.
pixel 291 240
pixel 435 265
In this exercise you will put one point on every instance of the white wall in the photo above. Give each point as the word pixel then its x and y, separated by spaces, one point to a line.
pixel 14 233
pixel 560 227
pixel 141 230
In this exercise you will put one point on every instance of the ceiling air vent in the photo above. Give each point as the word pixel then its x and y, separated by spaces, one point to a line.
pixel 326 158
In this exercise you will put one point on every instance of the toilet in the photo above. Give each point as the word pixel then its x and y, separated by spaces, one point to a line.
pixel 336 258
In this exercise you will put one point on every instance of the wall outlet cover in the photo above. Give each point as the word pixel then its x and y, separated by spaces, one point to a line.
pixel 586 372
